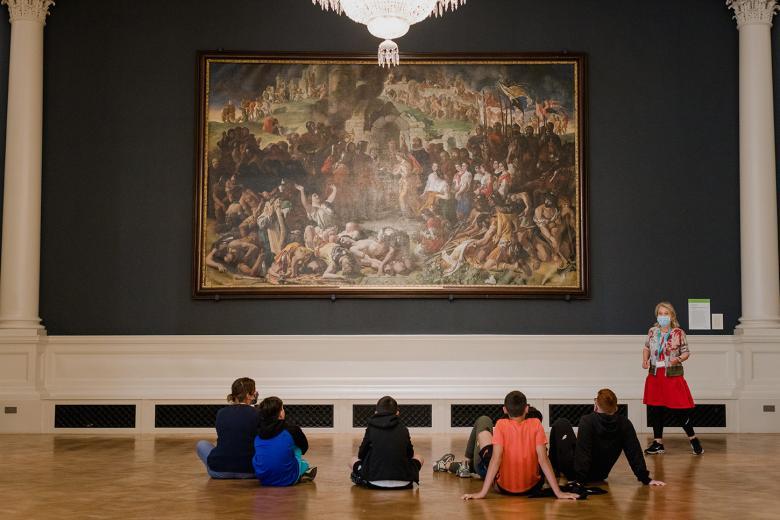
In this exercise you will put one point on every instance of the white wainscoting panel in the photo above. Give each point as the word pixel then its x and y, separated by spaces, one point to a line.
pixel 343 369
pixel 363 367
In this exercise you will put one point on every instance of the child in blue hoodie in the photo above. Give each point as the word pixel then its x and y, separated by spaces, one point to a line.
pixel 279 448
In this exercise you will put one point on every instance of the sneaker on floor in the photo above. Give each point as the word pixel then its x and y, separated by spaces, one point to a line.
pixel 309 474
pixel 443 463
pixel 655 448
pixel 464 470
pixel 696 446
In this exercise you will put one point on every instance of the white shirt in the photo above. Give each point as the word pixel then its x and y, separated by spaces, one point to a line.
pixel 461 180
pixel 323 216
pixel 436 184
pixel 390 483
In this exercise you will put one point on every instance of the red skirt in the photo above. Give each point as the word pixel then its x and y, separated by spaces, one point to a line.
pixel 671 392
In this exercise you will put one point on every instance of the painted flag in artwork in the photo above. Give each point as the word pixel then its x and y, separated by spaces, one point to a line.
pixel 553 106
pixel 517 95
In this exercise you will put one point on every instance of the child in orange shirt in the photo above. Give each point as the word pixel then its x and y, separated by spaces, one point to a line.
pixel 519 450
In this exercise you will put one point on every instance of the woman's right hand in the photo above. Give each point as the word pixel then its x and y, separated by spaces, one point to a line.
pixel 645 364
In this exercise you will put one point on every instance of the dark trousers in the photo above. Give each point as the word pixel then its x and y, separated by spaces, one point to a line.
pixel 563 444
pixel 563 447
pixel 535 489
pixel 657 415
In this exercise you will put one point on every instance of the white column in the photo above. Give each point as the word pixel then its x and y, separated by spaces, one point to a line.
pixel 758 190
pixel 21 249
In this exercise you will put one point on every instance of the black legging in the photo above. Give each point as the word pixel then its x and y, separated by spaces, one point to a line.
pixel 563 444
pixel 657 414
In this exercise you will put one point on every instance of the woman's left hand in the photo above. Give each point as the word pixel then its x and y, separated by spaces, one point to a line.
pixel 676 361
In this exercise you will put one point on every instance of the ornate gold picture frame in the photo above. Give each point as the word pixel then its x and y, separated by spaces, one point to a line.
pixel 322 175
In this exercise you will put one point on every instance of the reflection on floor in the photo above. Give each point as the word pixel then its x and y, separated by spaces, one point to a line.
pixel 146 476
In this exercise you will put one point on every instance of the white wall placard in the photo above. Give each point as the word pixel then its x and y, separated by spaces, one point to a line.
pixel 699 314
pixel 717 322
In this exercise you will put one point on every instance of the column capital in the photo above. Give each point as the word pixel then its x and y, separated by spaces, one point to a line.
pixel 28 10
pixel 753 12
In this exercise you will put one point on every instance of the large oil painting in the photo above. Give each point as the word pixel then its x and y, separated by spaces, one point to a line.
pixel 323 175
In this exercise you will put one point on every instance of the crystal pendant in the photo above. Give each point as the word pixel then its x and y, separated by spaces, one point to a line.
pixel 388 54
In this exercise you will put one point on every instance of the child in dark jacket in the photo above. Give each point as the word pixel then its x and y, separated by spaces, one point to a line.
pixel 603 435
pixel 386 458
pixel 236 430
pixel 279 448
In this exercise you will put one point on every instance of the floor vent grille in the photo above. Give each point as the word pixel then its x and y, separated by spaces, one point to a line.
pixel 94 416
pixel 412 415
pixel 574 412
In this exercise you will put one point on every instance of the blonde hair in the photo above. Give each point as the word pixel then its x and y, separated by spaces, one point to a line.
pixel 669 307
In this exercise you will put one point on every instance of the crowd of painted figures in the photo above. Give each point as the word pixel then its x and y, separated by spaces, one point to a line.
pixel 320 205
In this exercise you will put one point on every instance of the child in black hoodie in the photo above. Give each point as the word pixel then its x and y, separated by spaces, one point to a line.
pixel 386 458
pixel 603 436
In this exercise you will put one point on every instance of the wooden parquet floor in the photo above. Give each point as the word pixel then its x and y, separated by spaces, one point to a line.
pixel 159 477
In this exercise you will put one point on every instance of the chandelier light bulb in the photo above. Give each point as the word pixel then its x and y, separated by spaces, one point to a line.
pixel 389 19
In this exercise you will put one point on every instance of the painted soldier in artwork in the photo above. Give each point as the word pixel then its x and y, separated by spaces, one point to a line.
pixel 425 175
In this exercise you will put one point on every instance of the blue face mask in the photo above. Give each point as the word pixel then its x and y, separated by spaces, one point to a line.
pixel 664 321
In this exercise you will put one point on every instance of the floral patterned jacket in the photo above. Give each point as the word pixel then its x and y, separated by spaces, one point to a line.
pixel 676 345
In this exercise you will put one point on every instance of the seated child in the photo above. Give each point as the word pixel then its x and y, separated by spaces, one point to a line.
pixel 236 430
pixel 386 458
pixel 479 449
pixel 519 448
pixel 279 448
pixel 603 435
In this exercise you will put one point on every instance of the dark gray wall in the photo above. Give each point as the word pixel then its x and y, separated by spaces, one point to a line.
pixel 118 169
pixel 5 40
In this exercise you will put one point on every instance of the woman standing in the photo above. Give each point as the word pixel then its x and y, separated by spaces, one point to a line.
pixel 236 431
pixel 666 391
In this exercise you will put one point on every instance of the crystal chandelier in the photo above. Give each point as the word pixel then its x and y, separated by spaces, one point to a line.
pixel 389 19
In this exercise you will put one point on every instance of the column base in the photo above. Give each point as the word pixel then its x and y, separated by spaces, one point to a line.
pixel 759 325
pixel 12 327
